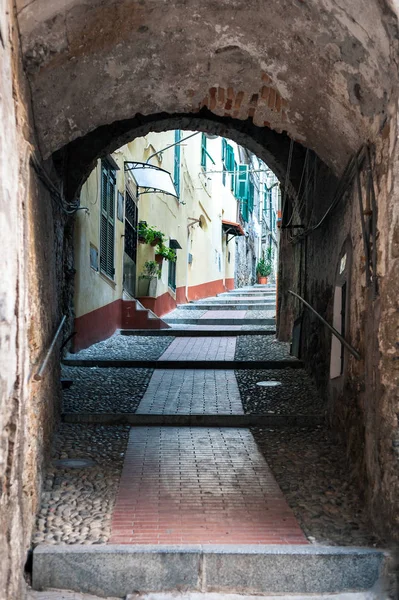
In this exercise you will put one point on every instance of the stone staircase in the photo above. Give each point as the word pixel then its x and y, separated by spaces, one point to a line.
pixel 174 413
pixel 135 316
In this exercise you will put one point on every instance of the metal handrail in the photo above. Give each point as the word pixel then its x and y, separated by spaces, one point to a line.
pixel 343 341
pixel 39 375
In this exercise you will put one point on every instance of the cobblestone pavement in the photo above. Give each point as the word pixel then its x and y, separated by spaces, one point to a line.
pixel 104 390
pixel 261 347
pixel 76 504
pixel 189 392
pixel 126 347
pixel 217 348
pixel 297 394
pixel 260 314
pixel 183 485
pixel 310 467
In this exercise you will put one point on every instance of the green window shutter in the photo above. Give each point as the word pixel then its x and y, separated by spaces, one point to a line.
pixel 242 182
pixel 234 179
pixel 176 170
pixel 203 151
pixel 229 158
pixel 224 146
pixel 251 191
pixel 107 223
pixel 244 209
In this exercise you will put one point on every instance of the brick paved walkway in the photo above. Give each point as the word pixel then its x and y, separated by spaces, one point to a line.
pixel 217 348
pixel 199 485
pixel 191 392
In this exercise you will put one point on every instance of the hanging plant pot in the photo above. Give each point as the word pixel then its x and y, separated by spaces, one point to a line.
pixel 159 259
pixel 262 280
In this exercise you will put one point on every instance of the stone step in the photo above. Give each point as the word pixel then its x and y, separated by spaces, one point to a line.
pixel 195 420
pixel 227 306
pixel 198 332
pixel 63 595
pixel 119 570
pixel 226 321
pixel 293 363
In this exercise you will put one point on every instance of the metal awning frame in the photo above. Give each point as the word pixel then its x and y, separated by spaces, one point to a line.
pixel 147 189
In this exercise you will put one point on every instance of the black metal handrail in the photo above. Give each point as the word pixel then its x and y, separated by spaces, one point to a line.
pixel 39 375
pixel 343 341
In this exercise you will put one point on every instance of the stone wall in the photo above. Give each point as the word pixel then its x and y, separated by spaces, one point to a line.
pixel 363 403
pixel 32 231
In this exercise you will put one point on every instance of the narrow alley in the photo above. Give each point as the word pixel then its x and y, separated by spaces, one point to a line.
pixel 199 301
pixel 167 455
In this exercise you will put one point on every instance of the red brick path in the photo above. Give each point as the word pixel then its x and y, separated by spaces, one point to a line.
pixel 199 486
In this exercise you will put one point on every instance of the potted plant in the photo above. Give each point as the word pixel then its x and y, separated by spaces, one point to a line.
pixel 142 232
pixel 263 270
pixel 163 252
pixel 154 236
pixel 148 279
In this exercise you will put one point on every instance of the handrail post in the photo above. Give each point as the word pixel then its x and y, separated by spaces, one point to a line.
pixel 343 341
pixel 39 375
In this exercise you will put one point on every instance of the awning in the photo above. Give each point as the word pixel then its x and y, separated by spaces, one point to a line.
pixel 150 178
pixel 174 244
pixel 232 228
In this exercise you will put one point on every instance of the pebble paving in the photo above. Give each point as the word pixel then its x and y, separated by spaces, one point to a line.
pixel 261 347
pixel 126 347
pixel 311 469
pixel 76 504
pixel 297 394
pixel 104 390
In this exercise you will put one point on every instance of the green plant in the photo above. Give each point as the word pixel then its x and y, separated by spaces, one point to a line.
pixel 264 267
pixel 166 253
pixel 149 235
pixel 151 269
pixel 153 236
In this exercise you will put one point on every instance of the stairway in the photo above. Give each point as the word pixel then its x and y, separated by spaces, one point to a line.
pixel 135 316
pixel 198 513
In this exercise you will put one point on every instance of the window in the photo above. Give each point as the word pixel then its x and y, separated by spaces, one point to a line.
pixel 203 151
pixel 176 170
pixel 242 189
pixel 172 274
pixel 107 225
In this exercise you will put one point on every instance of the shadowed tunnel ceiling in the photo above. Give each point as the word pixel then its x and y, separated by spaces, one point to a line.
pixel 319 71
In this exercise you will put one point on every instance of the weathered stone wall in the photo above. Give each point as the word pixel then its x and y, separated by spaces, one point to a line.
pixel 245 259
pixel 30 285
pixel 363 403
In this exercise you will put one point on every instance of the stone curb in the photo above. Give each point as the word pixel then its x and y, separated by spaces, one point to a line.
pixel 253 420
pixel 202 321
pixel 197 332
pixel 187 364
pixel 119 570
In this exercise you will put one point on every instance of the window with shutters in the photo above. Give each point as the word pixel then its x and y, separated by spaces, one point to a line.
pixel 107 226
pixel 172 274
pixel 242 189
pixel 176 170
pixel 203 151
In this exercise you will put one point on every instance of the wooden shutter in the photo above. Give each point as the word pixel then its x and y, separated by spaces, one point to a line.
pixel 107 225
pixel 242 182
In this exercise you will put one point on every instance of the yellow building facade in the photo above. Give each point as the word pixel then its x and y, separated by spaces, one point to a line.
pixel 199 225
